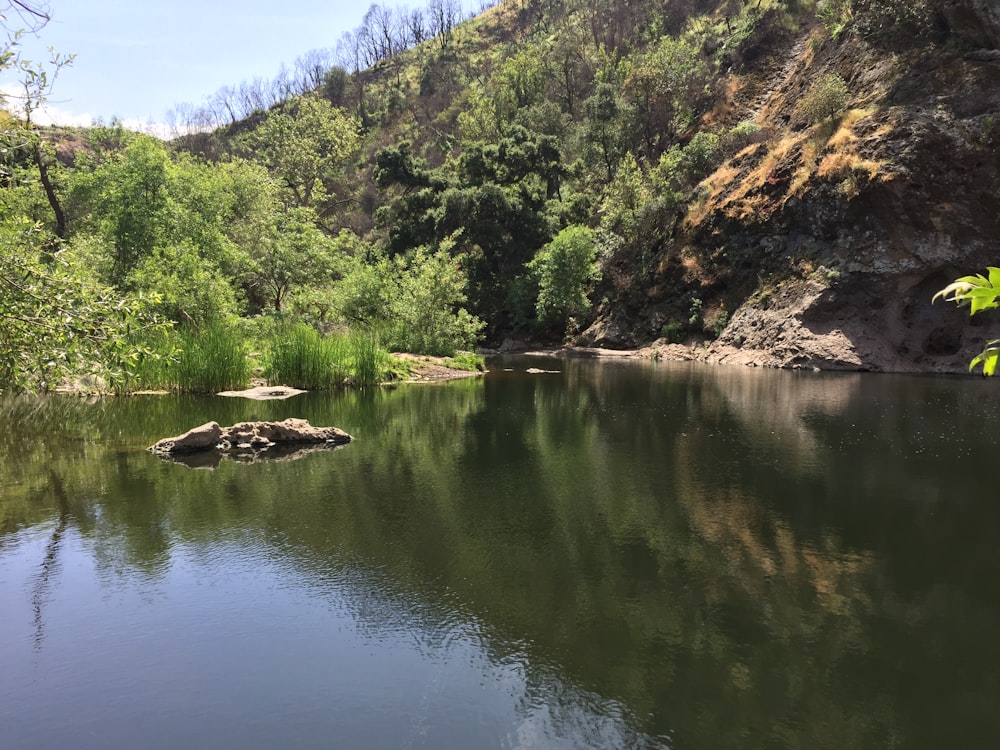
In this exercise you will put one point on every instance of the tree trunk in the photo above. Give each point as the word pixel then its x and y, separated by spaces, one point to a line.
pixel 50 192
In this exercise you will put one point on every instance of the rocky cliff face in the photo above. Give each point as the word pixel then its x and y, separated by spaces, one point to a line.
pixel 827 242
pixel 977 21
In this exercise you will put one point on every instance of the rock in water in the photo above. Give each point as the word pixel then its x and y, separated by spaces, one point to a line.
pixel 250 436
pixel 263 434
pixel 264 393
pixel 200 438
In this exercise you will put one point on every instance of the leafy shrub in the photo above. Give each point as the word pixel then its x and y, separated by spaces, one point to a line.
pixel 673 331
pixel 696 311
pixel 426 316
pixel 825 99
pixel 700 156
pixel 56 321
pixel 891 18
pixel 564 268
pixel 364 294
pixel 415 301
pixel 741 135
pixel 835 15
pixel 719 323
pixel 153 364
pixel 681 168
pixel 190 288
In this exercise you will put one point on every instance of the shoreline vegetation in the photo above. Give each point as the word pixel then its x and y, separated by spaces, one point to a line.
pixel 295 355
pixel 718 182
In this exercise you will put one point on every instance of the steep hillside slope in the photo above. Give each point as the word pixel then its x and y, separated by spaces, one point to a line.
pixel 780 182
pixel 827 241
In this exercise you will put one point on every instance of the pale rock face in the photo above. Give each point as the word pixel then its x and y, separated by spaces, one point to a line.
pixel 250 436
pixel 199 438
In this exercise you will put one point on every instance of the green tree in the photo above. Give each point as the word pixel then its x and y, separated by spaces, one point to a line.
pixel 565 267
pixel 496 207
pixel 625 197
pixel 20 135
pixel 493 108
pixel 189 288
pixel 663 88
pixel 305 144
pixel 604 141
pixel 56 321
pixel 427 310
pixel 132 208
pixel 202 234
pixel 292 255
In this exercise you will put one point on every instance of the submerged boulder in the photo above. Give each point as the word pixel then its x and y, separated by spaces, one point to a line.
pixel 250 436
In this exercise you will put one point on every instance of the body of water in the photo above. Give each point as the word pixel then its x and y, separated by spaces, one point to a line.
pixel 607 555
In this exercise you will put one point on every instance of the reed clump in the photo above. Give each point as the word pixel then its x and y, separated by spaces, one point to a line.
pixel 369 361
pixel 299 356
pixel 210 359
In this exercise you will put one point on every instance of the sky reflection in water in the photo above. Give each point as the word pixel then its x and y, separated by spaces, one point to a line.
pixel 611 556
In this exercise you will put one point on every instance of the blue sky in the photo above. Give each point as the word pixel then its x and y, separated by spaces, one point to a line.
pixel 136 59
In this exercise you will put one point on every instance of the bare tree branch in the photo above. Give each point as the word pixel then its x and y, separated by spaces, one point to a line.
pixel 33 14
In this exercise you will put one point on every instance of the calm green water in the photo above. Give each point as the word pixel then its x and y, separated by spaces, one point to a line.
pixel 614 555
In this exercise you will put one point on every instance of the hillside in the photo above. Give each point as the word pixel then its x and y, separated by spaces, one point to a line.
pixel 770 182
pixel 828 242
pixel 811 240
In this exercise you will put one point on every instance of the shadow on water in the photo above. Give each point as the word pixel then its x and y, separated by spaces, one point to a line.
pixel 731 557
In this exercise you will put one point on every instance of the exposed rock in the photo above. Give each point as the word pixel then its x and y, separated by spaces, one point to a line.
pixel 264 393
pixel 613 330
pixel 984 55
pixel 510 345
pixel 199 438
pixel 288 431
pixel 250 436
pixel 777 332
pixel 825 247
pixel 975 20
pixel 424 368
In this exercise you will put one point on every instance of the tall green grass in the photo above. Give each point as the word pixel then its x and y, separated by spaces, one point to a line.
pixel 211 359
pixel 216 358
pixel 201 360
pixel 299 356
pixel 369 361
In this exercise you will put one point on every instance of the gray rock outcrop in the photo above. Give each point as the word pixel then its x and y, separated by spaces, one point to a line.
pixel 975 20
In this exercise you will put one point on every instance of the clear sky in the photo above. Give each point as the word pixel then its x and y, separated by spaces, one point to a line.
pixel 136 59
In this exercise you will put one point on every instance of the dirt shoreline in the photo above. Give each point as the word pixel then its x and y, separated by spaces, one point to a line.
pixel 425 368
pixel 717 353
